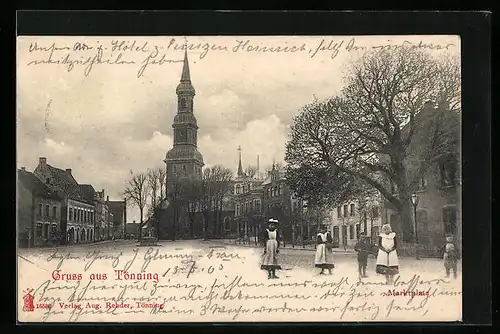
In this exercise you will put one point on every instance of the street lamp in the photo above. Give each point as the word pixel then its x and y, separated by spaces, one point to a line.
pixel 414 201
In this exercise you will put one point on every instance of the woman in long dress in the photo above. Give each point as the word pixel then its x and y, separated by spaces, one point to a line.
pixel 387 259
pixel 324 256
pixel 271 249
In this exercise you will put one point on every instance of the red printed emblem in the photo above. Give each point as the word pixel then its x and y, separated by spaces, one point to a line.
pixel 28 301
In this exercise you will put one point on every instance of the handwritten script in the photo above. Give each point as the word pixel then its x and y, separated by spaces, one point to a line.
pixel 144 55
pixel 152 284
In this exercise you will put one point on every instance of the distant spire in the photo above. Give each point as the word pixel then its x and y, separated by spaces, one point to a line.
pixel 258 168
pixel 186 76
pixel 240 169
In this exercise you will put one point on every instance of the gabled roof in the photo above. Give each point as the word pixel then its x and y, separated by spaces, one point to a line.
pixel 68 184
pixel 35 185
pixel 88 192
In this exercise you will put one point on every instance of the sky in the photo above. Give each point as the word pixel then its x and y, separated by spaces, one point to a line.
pixel 116 116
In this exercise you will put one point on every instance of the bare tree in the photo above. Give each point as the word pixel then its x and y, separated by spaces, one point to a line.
pixel 251 171
pixel 368 133
pixel 191 190
pixel 136 191
pixel 216 182
pixel 162 179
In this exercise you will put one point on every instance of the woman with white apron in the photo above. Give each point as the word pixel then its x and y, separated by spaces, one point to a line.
pixel 387 259
pixel 271 249
pixel 324 254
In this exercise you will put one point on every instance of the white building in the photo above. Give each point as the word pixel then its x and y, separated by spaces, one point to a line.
pixel 351 218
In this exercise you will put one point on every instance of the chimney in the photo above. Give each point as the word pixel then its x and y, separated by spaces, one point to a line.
pixel 42 162
pixel 133 221
pixel 68 170
pixel 107 198
pixel 23 169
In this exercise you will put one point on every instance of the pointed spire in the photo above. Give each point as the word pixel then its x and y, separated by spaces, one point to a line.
pixel 258 168
pixel 240 169
pixel 186 76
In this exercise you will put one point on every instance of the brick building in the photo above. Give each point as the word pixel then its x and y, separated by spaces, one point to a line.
pixel 249 215
pixel 38 212
pixel 78 212
pixel 280 203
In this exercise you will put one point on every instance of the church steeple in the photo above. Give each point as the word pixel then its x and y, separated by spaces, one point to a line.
pixel 184 159
pixel 185 90
pixel 186 76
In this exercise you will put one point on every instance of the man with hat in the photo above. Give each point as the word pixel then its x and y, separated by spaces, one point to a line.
pixel 271 249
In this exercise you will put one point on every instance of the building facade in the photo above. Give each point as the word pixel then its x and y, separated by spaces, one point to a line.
pixel 280 203
pixel 249 216
pixel 101 216
pixel 116 217
pixel 78 212
pixel 79 221
pixel 38 212
pixel 351 218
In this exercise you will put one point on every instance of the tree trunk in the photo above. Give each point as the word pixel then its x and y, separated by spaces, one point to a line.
pixel 158 227
pixel 205 225
pixel 140 225
pixel 176 216
pixel 404 205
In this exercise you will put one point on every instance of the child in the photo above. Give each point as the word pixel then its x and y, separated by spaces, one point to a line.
pixel 387 258
pixel 271 245
pixel 324 258
pixel 450 257
pixel 363 248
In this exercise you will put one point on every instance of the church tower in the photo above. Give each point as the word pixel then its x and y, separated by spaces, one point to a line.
pixel 184 160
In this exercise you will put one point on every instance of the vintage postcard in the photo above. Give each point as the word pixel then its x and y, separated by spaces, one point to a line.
pixel 239 178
